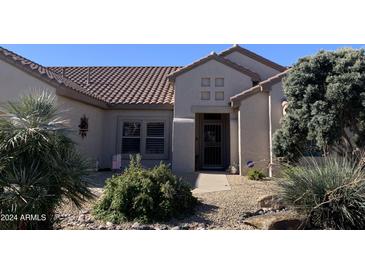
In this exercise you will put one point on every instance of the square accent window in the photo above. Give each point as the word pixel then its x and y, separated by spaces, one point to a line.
pixel 205 82
pixel 131 139
pixel 155 139
pixel 219 82
pixel 205 95
pixel 219 95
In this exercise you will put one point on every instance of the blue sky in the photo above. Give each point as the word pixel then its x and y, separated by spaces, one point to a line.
pixel 153 55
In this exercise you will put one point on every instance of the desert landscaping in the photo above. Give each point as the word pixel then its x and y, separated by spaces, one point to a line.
pixel 217 210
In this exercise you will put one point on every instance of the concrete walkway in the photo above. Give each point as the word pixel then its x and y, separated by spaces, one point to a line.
pixel 203 182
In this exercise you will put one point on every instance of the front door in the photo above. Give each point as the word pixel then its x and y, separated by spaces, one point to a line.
pixel 212 141
pixel 212 146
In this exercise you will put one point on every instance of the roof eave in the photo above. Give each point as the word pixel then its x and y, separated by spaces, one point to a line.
pixel 254 56
pixel 213 56
pixel 140 107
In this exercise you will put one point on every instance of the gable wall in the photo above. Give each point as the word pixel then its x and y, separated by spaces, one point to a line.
pixel 15 82
pixel 188 102
pixel 263 70
pixel 188 87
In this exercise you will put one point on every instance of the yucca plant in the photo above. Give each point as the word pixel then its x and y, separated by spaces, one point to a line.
pixel 329 191
pixel 39 164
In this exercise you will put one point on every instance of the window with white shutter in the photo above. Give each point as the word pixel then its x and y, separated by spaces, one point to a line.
pixel 155 138
pixel 131 138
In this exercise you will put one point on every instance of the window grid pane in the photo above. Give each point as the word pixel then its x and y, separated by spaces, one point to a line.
pixel 155 141
pixel 155 145
pixel 205 82
pixel 131 145
pixel 219 95
pixel 219 82
pixel 131 129
pixel 155 129
pixel 131 141
pixel 205 95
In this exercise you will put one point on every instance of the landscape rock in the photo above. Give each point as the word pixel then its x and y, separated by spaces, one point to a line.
pixel 285 220
pixel 81 218
pixel 185 226
pixel 272 202
pixel 136 225
pixel 175 228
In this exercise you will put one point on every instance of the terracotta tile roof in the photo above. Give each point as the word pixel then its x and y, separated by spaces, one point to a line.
pixel 216 57
pixel 123 85
pixel 38 70
pixel 262 86
pixel 111 85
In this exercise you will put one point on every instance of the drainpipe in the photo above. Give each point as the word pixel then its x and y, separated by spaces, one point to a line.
pixel 270 136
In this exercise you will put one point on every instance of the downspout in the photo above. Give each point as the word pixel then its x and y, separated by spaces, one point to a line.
pixel 270 136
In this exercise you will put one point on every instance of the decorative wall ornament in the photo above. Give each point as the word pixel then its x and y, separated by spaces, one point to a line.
pixel 83 126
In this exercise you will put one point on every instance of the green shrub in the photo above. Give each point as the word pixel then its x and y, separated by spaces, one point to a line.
pixel 330 193
pixel 146 195
pixel 256 175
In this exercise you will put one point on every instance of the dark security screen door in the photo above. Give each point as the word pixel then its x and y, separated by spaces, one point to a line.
pixel 212 147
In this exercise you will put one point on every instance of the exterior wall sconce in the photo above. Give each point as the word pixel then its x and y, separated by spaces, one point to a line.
pixel 83 126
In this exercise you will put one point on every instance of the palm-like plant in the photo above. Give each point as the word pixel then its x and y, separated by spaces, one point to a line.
pixel 39 164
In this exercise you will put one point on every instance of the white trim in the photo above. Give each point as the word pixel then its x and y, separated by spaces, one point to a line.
pixel 270 136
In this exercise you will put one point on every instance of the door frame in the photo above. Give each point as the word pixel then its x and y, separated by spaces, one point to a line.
pixel 199 141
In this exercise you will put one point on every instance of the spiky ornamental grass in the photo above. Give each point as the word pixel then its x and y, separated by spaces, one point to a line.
pixel 330 191
pixel 39 164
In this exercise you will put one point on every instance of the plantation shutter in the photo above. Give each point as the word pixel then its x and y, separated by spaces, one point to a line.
pixel 131 139
pixel 155 138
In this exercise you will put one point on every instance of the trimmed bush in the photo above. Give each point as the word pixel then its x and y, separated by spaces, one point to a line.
pixel 145 195
pixel 256 175
pixel 330 193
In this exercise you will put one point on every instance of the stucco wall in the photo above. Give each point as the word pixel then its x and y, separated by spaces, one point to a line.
pixel 254 132
pixel 254 127
pixel 91 145
pixel 277 96
pixel 188 102
pixel 263 70
pixel 15 82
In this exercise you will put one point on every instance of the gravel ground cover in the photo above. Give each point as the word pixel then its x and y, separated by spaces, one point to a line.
pixel 217 210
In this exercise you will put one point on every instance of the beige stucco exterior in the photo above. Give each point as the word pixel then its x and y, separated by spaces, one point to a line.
pixel 263 70
pixel 260 116
pixel 188 102
pixel 15 83
pixel 251 124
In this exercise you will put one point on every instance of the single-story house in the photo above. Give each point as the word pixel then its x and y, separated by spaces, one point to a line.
pixel 219 111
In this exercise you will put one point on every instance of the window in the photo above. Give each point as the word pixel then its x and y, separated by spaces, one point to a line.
pixel 146 136
pixel 205 95
pixel 131 138
pixel 155 138
pixel 205 82
pixel 219 82
pixel 219 95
